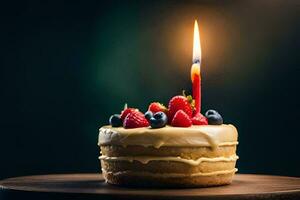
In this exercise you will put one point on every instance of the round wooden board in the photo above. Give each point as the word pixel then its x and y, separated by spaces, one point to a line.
pixel 92 186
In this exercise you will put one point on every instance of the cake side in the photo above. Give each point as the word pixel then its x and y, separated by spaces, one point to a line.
pixel 198 156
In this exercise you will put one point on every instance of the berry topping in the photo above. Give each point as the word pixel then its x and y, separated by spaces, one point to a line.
pixel 180 103
pixel 135 119
pixel 158 120
pixel 115 120
pixel 199 119
pixel 148 115
pixel 214 118
pixel 126 111
pixel 210 112
pixel 157 107
pixel 181 119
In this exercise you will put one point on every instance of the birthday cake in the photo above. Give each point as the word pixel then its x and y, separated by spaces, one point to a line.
pixel 173 146
pixel 168 147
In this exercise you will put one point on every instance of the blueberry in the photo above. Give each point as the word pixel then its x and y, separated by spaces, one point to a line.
pixel 148 115
pixel 158 120
pixel 115 120
pixel 215 119
pixel 210 112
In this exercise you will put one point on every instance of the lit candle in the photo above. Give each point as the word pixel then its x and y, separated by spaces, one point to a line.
pixel 195 70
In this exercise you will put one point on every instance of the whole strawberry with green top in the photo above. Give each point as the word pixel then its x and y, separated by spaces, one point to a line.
pixel 180 102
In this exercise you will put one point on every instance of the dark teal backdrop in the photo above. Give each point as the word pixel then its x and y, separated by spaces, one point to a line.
pixel 66 66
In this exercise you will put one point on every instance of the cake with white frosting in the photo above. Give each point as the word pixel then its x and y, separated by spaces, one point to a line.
pixel 173 146
pixel 199 155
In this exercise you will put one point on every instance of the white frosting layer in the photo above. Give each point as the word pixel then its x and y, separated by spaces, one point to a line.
pixel 208 135
pixel 146 159
pixel 170 175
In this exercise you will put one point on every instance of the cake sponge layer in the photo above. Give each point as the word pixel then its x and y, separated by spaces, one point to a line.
pixel 148 180
pixel 183 152
pixel 166 167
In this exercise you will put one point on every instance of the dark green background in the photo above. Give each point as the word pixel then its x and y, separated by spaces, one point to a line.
pixel 67 66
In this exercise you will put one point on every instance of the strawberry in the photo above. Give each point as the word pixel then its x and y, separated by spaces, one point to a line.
pixel 135 119
pixel 126 111
pixel 157 107
pixel 199 119
pixel 181 119
pixel 180 103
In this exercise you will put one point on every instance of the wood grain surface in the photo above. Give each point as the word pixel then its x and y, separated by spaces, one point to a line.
pixel 92 186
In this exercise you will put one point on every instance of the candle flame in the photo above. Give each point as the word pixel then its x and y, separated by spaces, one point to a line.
pixel 197 46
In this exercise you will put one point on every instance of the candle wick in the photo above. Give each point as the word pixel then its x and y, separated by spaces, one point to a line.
pixel 196 61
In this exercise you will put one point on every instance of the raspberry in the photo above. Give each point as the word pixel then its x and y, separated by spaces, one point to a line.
pixel 179 103
pixel 199 119
pixel 126 111
pixel 135 119
pixel 157 107
pixel 181 119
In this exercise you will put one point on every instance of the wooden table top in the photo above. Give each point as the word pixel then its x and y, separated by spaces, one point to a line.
pixel 92 186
